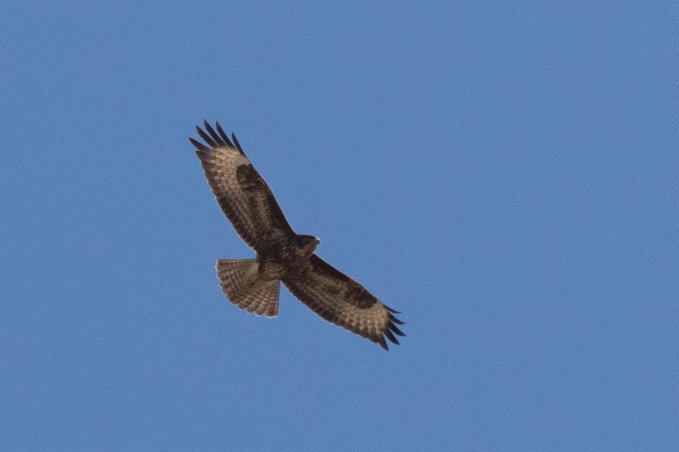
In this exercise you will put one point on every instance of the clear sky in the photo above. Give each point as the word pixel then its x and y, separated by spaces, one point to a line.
pixel 506 174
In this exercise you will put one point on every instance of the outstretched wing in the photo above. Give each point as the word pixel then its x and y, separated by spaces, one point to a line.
pixel 247 201
pixel 339 299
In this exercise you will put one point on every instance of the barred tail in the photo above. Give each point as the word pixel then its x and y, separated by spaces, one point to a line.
pixel 240 282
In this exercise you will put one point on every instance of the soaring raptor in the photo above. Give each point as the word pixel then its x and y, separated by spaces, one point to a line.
pixel 282 254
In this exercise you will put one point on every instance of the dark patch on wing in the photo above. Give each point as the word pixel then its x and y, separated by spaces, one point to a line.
pixel 355 293
pixel 358 296
pixel 322 266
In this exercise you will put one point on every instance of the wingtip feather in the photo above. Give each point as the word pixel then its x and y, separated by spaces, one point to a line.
pixel 393 318
pixel 214 134
pixel 395 329
pixel 206 137
pixel 235 140
pixel 223 134
pixel 200 146
pixel 390 336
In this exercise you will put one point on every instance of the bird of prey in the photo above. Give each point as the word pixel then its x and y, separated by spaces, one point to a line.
pixel 281 254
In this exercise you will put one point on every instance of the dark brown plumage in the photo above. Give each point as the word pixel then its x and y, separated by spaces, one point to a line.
pixel 282 255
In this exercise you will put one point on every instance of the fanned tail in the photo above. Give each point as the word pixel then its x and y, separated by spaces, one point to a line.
pixel 242 286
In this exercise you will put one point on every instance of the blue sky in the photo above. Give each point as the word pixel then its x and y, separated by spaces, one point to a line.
pixel 503 173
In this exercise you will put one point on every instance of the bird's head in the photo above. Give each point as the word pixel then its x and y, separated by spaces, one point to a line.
pixel 308 243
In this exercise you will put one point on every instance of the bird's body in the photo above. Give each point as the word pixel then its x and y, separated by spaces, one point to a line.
pixel 286 256
pixel 282 255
